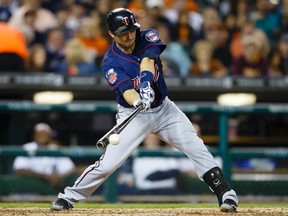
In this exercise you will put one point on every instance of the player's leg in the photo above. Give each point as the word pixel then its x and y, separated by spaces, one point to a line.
pixel 114 157
pixel 177 130
pixel 227 197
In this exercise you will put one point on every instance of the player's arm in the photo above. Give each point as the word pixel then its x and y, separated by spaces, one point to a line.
pixel 147 72
pixel 131 96
pixel 147 66
pixel 53 178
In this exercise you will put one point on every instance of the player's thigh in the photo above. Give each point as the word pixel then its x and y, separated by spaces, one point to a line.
pixel 130 138
pixel 177 129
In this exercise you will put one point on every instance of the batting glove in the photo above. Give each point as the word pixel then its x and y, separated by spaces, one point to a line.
pixel 145 104
pixel 146 92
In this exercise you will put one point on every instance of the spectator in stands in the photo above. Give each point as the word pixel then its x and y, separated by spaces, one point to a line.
pixel 7 8
pixel 210 16
pixel 53 170
pixel 251 63
pixel 183 32
pixel 45 19
pixel 144 19
pixel 217 35
pixel 75 62
pixel 243 11
pixel 236 45
pixel 52 5
pixel 205 64
pixel 267 18
pixel 158 175
pixel 54 47
pixel 100 21
pixel 231 26
pixel 77 12
pixel 13 49
pixel 62 17
pixel 279 58
pixel 136 6
pixel 155 11
pixel 174 53
pixel 174 8
pixel 236 18
pixel 27 27
pixel 125 178
pixel 155 175
pixel 284 17
pixel 170 68
pixel 104 6
pixel 36 59
pixel 90 35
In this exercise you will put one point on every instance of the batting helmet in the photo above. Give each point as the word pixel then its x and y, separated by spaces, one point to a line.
pixel 121 20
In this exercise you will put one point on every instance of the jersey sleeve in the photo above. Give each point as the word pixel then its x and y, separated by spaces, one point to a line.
pixel 153 45
pixel 117 79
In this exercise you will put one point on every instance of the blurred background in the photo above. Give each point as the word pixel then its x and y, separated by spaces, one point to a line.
pixel 226 65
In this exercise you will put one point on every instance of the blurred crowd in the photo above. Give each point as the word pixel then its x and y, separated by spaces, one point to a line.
pixel 204 37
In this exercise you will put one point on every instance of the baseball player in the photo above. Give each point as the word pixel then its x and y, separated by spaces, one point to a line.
pixel 133 69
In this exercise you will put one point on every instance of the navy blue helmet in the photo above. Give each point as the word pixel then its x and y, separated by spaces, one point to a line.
pixel 121 20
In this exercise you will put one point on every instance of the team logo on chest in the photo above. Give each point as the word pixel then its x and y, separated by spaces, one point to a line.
pixel 152 36
pixel 111 76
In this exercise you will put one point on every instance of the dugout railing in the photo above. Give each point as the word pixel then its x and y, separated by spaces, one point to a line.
pixel 227 153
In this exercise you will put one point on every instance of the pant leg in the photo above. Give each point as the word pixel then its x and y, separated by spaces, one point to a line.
pixel 113 157
pixel 177 130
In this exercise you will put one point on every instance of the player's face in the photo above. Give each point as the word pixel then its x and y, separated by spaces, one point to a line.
pixel 126 41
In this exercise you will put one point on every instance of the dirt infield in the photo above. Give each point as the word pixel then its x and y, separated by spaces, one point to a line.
pixel 141 212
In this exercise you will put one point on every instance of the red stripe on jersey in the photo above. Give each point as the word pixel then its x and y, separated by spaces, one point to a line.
pixel 135 62
pixel 117 84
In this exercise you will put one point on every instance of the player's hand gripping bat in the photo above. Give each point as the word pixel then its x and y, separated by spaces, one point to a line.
pixel 104 141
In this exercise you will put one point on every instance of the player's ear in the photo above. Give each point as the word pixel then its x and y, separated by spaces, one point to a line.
pixel 111 34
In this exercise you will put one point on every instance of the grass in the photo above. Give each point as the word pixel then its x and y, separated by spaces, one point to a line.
pixel 140 205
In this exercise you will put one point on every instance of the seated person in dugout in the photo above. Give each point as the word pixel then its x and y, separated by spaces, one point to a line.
pixel 159 175
pixel 53 170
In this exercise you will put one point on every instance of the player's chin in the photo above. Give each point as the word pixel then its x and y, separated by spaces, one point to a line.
pixel 128 44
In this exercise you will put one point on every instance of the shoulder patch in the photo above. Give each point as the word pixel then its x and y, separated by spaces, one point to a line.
pixel 152 36
pixel 111 76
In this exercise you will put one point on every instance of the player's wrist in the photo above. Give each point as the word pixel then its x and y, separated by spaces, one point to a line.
pixel 146 76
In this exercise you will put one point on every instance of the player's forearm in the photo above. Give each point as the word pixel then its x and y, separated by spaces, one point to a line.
pixel 131 96
pixel 147 64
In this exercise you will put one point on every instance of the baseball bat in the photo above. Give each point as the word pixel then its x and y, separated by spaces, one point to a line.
pixel 104 141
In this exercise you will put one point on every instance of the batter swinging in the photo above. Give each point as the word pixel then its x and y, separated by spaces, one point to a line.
pixel 133 69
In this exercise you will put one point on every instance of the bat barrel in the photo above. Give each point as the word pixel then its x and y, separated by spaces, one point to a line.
pixel 101 144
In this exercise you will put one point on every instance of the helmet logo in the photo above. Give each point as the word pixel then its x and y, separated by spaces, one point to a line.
pixel 125 20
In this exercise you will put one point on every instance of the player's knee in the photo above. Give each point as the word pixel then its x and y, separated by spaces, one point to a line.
pixel 108 169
